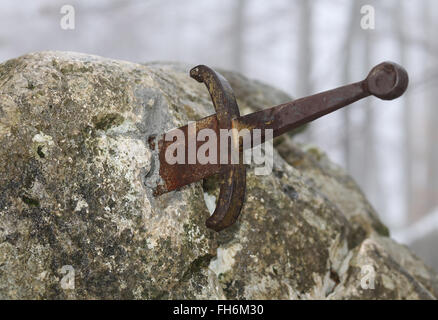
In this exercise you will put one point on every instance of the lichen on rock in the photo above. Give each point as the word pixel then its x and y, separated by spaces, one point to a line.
pixel 75 191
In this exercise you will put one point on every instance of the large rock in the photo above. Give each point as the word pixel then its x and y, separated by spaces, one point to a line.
pixel 75 198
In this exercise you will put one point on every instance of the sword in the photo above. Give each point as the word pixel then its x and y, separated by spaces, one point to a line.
pixel 386 81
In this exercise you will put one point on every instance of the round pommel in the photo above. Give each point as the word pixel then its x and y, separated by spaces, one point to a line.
pixel 387 81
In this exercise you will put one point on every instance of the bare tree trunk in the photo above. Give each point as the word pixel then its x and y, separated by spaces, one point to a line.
pixel 303 66
pixel 238 35
pixel 368 152
pixel 432 136
pixel 304 61
pixel 346 78
pixel 407 116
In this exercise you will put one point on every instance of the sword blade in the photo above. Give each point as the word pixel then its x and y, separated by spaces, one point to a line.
pixel 178 175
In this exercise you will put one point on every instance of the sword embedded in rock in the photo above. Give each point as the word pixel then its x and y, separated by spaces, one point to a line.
pixel 386 81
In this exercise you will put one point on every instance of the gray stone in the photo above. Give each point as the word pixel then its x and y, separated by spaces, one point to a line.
pixel 74 192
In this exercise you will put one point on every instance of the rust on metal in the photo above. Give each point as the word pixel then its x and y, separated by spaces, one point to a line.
pixel 386 81
pixel 232 188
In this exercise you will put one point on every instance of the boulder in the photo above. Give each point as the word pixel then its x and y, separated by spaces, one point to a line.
pixel 78 219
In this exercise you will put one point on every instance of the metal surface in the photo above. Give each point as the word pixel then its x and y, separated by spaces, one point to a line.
pixel 232 187
pixel 386 81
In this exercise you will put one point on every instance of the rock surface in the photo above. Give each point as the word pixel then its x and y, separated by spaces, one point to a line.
pixel 75 205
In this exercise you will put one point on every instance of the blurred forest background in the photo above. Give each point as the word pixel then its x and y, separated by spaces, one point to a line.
pixel 300 46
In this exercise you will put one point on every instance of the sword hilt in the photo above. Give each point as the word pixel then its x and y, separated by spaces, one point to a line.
pixel 386 81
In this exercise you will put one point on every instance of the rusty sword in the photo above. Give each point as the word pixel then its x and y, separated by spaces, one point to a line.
pixel 386 81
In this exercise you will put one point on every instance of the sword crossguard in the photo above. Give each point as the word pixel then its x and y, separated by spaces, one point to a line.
pixel 233 182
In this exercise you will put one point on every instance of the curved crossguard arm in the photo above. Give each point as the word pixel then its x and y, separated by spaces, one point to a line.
pixel 232 187
pixel 386 81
